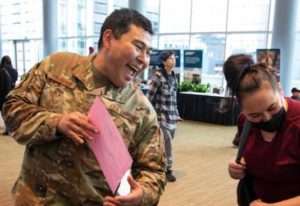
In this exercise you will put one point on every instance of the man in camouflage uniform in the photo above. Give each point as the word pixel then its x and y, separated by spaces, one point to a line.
pixel 47 113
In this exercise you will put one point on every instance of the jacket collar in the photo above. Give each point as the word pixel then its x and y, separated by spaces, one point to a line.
pixel 83 71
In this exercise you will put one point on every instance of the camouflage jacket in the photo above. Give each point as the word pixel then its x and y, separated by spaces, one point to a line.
pixel 56 171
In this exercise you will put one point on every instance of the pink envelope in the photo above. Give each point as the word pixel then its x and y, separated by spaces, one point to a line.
pixel 108 146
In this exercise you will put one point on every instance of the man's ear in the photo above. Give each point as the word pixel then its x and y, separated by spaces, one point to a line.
pixel 107 38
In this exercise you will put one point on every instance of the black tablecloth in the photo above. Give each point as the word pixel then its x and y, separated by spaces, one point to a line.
pixel 208 108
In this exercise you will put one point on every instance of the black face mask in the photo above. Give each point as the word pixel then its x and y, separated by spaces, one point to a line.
pixel 274 124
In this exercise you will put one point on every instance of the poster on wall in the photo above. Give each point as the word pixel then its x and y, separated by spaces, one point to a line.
pixel 192 63
pixel 155 57
pixel 192 59
pixel 271 57
pixel 177 56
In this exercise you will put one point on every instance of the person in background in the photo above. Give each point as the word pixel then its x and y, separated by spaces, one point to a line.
pixel 272 151
pixel 47 112
pixel 163 96
pixel 91 50
pixel 5 85
pixel 7 65
pixel 295 93
pixel 234 64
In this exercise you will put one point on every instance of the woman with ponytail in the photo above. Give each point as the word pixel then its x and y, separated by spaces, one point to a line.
pixel 272 151
pixel 234 64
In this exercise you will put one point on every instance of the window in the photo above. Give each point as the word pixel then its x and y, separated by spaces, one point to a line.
pixel 174 42
pixel 213 47
pixel 152 12
pixel 209 16
pixel 296 62
pixel 245 43
pixel 154 42
pixel 174 17
pixel 19 22
pixel 245 15
pixel 120 3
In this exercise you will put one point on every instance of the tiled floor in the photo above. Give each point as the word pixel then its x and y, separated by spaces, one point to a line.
pixel 201 155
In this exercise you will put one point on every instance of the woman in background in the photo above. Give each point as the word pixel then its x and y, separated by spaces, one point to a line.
pixel 7 65
pixel 163 96
pixel 234 64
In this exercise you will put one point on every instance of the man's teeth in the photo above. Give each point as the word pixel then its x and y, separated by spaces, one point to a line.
pixel 133 69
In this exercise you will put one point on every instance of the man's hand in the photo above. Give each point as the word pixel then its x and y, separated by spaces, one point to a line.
pixel 237 171
pixel 76 126
pixel 134 198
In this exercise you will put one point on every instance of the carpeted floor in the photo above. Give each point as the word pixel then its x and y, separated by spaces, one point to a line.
pixel 202 152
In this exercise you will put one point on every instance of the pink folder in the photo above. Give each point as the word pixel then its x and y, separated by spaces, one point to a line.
pixel 108 146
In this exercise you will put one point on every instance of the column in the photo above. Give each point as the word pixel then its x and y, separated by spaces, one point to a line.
pixel 1 32
pixel 284 36
pixel 50 26
pixel 138 5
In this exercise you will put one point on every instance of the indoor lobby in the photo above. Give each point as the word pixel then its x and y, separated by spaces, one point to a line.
pixel 202 35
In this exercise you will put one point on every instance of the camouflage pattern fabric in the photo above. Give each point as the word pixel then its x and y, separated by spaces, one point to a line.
pixel 56 171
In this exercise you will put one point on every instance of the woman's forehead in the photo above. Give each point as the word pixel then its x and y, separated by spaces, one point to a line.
pixel 259 100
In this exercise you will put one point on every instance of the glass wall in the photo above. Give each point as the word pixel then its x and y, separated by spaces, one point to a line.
pixel 296 63
pixel 21 32
pixel 78 27
pixel 79 23
pixel 218 28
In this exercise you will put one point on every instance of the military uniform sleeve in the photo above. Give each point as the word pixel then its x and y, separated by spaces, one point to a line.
pixel 25 119
pixel 150 163
pixel 154 85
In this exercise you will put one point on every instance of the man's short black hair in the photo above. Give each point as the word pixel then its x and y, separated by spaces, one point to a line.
pixel 120 20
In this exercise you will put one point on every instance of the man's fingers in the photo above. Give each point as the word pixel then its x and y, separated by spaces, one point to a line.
pixel 76 138
pixel 109 204
pixel 79 131
pixel 84 123
pixel 76 126
pixel 133 184
pixel 134 197
pixel 109 201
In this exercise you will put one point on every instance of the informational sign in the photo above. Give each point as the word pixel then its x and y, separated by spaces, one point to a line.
pixel 155 57
pixel 192 58
pixel 178 57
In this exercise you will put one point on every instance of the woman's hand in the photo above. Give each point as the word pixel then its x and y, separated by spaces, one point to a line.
pixel 237 171
pixel 258 202
pixel 134 198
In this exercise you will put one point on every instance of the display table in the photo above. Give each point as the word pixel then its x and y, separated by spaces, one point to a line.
pixel 205 107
